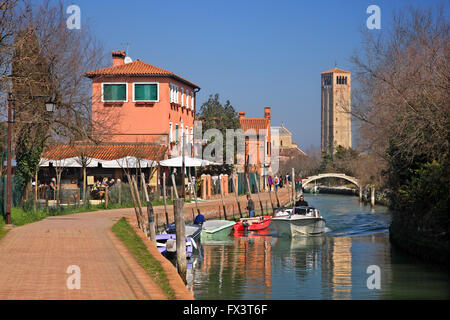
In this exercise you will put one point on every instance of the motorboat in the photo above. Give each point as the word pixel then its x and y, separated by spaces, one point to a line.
pixel 191 230
pixel 166 241
pixel 297 221
pixel 216 229
pixel 252 224
pixel 166 244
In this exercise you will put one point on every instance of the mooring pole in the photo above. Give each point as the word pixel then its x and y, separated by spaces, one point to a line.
pixel 294 191
pixel 165 199
pixel 150 213
pixel 372 196
pixel 180 230
pixel 221 196
pixel 235 183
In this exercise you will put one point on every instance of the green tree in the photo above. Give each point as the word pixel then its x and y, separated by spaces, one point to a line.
pixel 215 115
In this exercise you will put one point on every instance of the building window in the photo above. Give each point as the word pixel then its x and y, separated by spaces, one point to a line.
pixel 182 97
pixel 192 102
pixel 170 132
pixel 146 91
pixel 192 135
pixel 187 99
pixel 176 132
pixel 173 93
pixel 114 92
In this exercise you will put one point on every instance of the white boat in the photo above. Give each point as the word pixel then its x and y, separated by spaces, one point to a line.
pixel 304 221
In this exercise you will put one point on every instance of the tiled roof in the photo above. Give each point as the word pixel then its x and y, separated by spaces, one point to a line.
pixel 254 123
pixel 137 68
pixel 105 151
pixel 335 70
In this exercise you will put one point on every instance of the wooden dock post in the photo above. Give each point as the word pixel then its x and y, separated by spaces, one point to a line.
pixel 150 213
pixel 174 186
pixel 221 196
pixel 294 191
pixel 360 194
pixel 259 198
pixel 180 230
pixel 235 182
pixel 372 196
pixel 165 198
pixel 271 202
pixel 195 192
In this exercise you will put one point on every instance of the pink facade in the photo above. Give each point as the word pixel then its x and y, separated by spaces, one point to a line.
pixel 130 118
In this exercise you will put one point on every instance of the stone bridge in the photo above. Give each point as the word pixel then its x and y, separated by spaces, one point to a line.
pixel 331 175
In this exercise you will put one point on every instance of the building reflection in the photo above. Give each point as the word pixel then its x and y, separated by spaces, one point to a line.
pixel 236 270
pixel 337 268
pixel 242 268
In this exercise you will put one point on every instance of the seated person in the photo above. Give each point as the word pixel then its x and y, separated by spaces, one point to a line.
pixel 199 219
pixel 301 202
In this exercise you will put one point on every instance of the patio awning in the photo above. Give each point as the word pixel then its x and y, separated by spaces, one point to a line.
pixel 128 162
pixel 188 162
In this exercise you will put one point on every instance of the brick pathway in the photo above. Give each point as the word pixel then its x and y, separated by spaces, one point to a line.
pixel 34 258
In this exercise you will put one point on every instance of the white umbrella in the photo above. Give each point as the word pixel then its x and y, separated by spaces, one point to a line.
pixel 188 162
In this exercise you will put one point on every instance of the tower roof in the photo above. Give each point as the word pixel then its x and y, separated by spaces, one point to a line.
pixel 335 70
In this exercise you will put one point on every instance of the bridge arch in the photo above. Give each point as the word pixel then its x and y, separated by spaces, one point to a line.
pixel 331 175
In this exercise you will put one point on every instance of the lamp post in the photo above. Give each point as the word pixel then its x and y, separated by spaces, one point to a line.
pixel 50 107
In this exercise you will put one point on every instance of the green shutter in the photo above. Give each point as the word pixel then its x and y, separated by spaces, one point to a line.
pixel 145 92
pixel 114 92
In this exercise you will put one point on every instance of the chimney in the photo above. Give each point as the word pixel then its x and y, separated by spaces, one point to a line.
pixel 118 58
pixel 267 113
pixel 241 115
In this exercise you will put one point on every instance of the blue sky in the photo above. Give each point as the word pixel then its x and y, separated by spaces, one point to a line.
pixel 254 53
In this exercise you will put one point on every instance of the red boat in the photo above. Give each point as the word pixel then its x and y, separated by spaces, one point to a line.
pixel 252 224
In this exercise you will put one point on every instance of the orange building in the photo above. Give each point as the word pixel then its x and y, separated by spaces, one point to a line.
pixel 257 143
pixel 144 104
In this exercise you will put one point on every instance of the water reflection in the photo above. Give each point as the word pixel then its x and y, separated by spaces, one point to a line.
pixel 264 266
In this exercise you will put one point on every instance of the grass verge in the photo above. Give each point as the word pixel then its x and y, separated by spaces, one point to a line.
pixel 139 250
pixel 3 231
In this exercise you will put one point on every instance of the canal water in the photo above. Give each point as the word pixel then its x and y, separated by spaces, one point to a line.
pixel 333 266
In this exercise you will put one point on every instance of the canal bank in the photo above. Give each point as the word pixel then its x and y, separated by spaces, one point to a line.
pixel 335 266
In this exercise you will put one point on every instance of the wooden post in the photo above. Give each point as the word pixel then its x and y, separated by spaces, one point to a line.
pixel 235 182
pixel 372 196
pixel 195 192
pixel 221 196
pixel 138 200
pixel 174 186
pixel 106 197
pixel 150 213
pixel 120 192
pixel 180 230
pixel 294 192
pixel 164 197
pixel 35 190
pixel 133 198
pixel 360 194
pixel 271 202
pixel 276 195
pixel 257 191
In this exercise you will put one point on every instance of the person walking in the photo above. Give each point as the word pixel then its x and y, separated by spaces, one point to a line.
pixel 276 182
pixel 250 207
pixel 270 182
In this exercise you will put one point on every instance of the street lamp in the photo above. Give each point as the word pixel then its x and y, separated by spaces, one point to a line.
pixel 50 107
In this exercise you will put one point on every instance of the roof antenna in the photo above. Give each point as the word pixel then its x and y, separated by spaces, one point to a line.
pixel 335 63
pixel 127 57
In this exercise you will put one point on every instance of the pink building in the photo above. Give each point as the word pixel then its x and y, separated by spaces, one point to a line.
pixel 141 103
